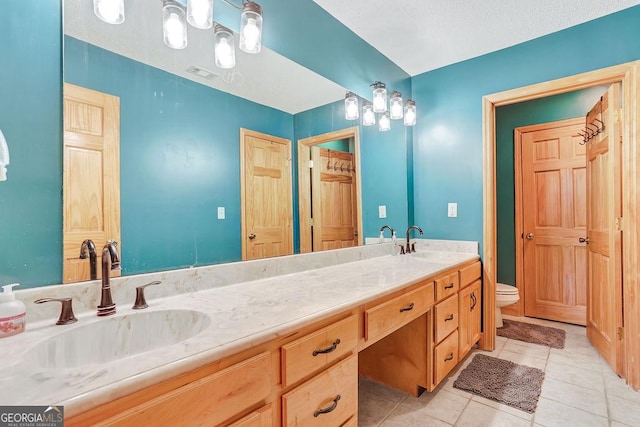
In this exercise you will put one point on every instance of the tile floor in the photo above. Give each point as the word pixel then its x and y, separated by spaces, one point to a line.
pixel 579 389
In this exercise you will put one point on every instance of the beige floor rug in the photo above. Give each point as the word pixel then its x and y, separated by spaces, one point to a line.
pixel 503 381
pixel 536 334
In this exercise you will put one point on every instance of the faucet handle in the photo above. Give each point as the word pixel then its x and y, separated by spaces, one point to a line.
pixel 413 246
pixel 66 313
pixel 401 250
pixel 141 302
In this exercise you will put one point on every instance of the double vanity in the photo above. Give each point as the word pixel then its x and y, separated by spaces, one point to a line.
pixel 286 348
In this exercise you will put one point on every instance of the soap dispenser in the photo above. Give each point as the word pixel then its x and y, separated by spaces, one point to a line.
pixel 394 244
pixel 12 312
pixel 4 157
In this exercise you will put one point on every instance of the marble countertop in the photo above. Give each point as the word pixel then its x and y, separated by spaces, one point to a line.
pixel 241 316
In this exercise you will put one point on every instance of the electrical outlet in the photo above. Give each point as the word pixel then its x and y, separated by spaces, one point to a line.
pixel 382 211
pixel 221 212
pixel 452 210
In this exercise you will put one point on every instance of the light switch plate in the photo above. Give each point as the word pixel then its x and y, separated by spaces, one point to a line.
pixel 452 210
pixel 382 211
pixel 221 212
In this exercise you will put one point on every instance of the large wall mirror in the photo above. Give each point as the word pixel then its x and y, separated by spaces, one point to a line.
pixel 178 129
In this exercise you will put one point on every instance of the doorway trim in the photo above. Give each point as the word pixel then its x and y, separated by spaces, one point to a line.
pixel 304 182
pixel 627 74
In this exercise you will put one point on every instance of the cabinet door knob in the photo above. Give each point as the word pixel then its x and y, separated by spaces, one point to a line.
pixel 252 236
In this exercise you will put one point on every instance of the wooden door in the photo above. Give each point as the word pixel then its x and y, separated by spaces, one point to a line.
pixel 91 176
pixel 266 194
pixel 333 199
pixel 604 207
pixel 553 210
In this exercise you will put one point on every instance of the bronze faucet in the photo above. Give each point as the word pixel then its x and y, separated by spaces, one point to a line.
pixel 88 249
pixel 411 248
pixel 110 261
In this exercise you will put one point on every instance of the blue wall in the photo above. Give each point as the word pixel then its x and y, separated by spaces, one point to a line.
pixel 31 120
pixel 509 117
pixel 448 137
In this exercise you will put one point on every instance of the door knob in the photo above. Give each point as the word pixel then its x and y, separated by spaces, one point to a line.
pixel 252 236
pixel 583 240
pixel 529 236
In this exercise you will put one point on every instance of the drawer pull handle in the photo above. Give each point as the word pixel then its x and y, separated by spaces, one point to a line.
pixel 449 357
pixel 474 301
pixel 449 317
pixel 328 349
pixel 326 410
pixel 407 308
pixel 449 286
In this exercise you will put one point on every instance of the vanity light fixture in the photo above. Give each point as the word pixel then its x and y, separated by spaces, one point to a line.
pixel 4 157
pixel 174 24
pixel 368 116
pixel 109 11
pixel 351 106
pixel 251 28
pixel 384 124
pixel 379 97
pixel 395 105
pixel 200 13
pixel 225 51
pixel 410 113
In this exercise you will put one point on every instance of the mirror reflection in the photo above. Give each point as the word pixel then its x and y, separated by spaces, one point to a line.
pixel 173 120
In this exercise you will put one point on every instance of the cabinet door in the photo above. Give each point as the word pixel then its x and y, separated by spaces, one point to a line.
pixel 470 308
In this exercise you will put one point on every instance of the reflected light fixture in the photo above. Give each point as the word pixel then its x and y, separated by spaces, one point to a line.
pixel 384 124
pixel 251 28
pixel 109 11
pixel 395 105
pixel 174 24
pixel 410 113
pixel 225 51
pixel 368 116
pixel 351 106
pixel 379 97
pixel 200 13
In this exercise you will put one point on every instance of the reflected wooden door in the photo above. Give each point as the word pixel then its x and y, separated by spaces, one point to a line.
pixel 604 248
pixel 333 199
pixel 553 165
pixel 266 194
pixel 91 176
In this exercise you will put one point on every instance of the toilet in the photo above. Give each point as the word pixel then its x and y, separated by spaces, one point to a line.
pixel 505 295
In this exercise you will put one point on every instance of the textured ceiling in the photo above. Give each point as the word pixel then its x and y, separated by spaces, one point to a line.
pixel 422 35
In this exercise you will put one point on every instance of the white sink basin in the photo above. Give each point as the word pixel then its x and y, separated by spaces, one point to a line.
pixel 116 338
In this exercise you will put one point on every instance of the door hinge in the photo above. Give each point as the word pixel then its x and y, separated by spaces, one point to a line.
pixel 621 333
pixel 619 223
pixel 310 164
pixel 311 222
pixel 618 115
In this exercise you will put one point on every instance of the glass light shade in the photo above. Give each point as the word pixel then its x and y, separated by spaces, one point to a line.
pixel 351 106
pixel 395 105
pixel 384 124
pixel 109 11
pixel 174 24
pixel 379 97
pixel 368 116
pixel 410 113
pixel 225 51
pixel 200 13
pixel 251 28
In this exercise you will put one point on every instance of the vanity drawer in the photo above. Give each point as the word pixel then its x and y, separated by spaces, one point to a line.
pixel 446 285
pixel 446 357
pixel 470 274
pixel 313 352
pixel 263 417
pixel 391 315
pixel 208 401
pixel 446 317
pixel 328 399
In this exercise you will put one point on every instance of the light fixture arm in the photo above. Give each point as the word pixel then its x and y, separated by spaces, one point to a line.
pixel 235 6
